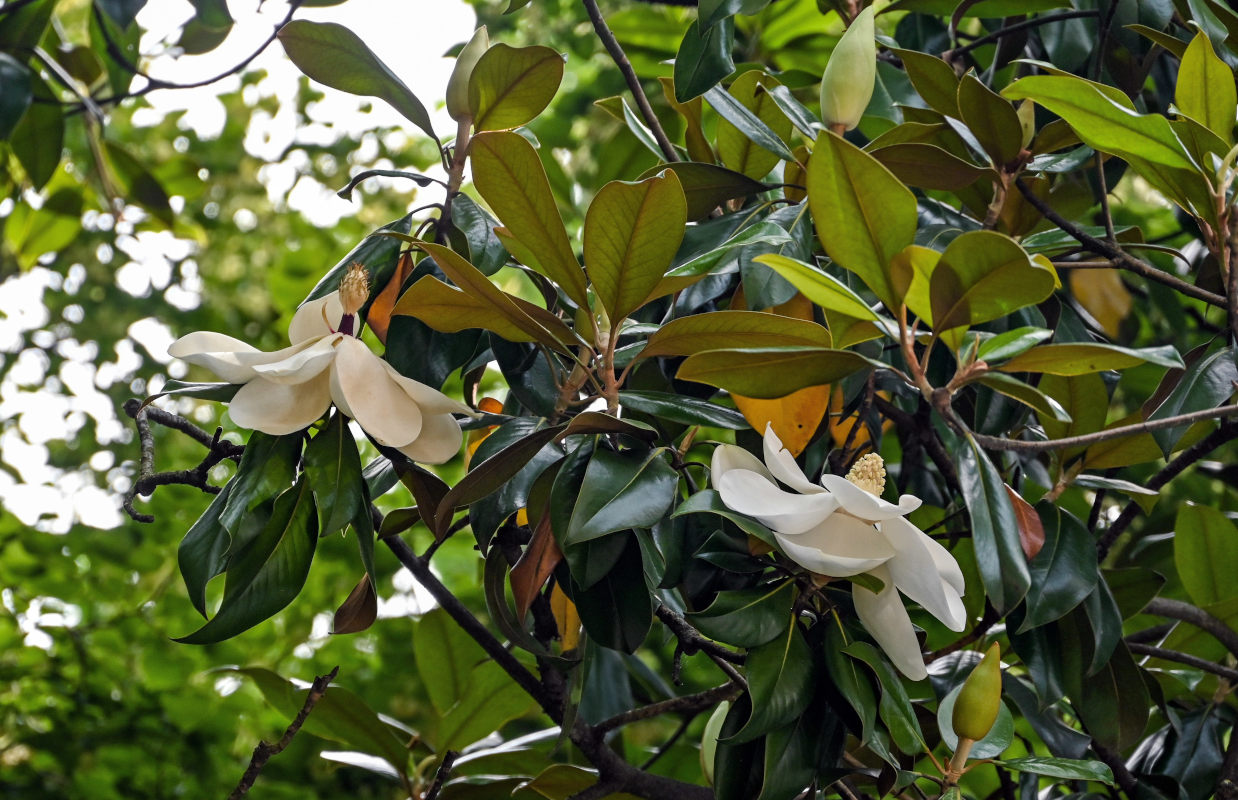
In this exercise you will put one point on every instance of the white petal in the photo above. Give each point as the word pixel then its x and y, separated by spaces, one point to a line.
pixel 430 400
pixel 438 442
pixel 840 546
pixel 864 505
pixel 305 363
pixel 886 619
pixel 217 352
pixel 752 494
pixel 309 323
pixel 782 464
pixel 278 408
pixel 916 575
pixel 728 457
pixel 363 390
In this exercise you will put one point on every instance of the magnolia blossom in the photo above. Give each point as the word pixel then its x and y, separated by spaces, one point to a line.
pixel 842 528
pixel 287 390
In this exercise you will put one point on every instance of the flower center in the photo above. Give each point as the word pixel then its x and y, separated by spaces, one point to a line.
pixel 354 291
pixel 869 473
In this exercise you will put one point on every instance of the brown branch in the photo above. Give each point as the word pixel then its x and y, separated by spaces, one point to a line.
pixel 694 703
pixel 1227 432
pixel 1024 446
pixel 629 74
pixel 263 752
pixel 1120 258
pixel 1177 609
pixel 1015 28
pixel 440 776
pixel 692 639
pixel 1183 658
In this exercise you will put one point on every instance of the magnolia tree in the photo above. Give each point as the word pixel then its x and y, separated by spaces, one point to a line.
pixel 896 356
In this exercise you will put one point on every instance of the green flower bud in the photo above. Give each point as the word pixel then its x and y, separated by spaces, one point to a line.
pixel 850 74
pixel 458 85
pixel 979 700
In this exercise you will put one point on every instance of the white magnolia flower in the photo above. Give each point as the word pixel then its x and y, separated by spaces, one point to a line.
pixel 841 528
pixel 287 390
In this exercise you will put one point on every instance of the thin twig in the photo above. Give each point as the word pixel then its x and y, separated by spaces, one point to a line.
pixel 1024 446
pixel 694 703
pixel 1120 259
pixel 1225 433
pixel 629 74
pixel 1177 609
pixel 692 639
pixel 440 776
pixel 1184 658
pixel 1015 28
pixel 263 752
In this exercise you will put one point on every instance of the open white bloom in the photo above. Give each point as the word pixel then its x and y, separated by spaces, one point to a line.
pixel 288 389
pixel 841 528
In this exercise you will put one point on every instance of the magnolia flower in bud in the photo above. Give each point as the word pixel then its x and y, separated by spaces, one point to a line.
pixel 842 527
pixel 458 84
pixel 980 699
pixel 850 74
pixel 285 391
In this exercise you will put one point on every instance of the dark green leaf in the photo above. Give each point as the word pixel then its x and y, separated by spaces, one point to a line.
pixel 122 11
pixel 376 252
pixel 617 610
pixel 1010 344
pixel 685 410
pixel 1207 383
pixel 621 491
pixel 992 745
pixel 749 124
pixel 995 531
pixel 780 676
pixel 747 617
pixel 703 60
pixel 1064 572
pixel 267 468
pixel 1065 768
pixel 1080 359
pixel 39 135
pixel 709 501
pixel 707 186
pixel 333 469
pixel 203 552
pixel 895 708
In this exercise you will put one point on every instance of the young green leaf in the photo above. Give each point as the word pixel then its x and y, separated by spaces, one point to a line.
pixel 511 85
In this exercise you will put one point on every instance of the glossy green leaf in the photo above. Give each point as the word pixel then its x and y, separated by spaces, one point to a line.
pixel 864 215
pixel 1206 91
pixel 1065 768
pixel 852 681
pixel 895 708
pixel 203 552
pixel 1081 359
pixel 137 183
pixel 448 309
pixel 339 715
pixel 267 572
pixel 510 176
pixel 995 530
pixel 1113 703
pixel 991 119
pixel 489 699
pixel 985 9
pixel 818 286
pixel 333 469
pixel 934 80
pixel 704 58
pixel 378 253
pixel 1206 553
pixel 707 186
pixel 929 166
pixel 747 617
pixel 617 610
pixel 1102 123
pixel 684 410
pixel 621 491
pixel 1010 344
pixel 1207 383
pixel 335 56
pixel 721 330
pixel 752 133
pixel 510 86
pixel 1064 572
pixel 25 24
pixel 1026 394
pixel 267 468
pixel 632 232
pixel 984 275
pixel 723 258
pixel 771 371
pixel 122 11
pixel 780 676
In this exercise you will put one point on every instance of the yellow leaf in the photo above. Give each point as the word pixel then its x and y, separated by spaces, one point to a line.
pixel 795 417
pixel 566 618
pixel 476 437
pixel 1101 292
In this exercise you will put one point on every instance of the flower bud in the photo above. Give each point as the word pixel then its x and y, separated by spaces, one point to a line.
pixel 458 84
pixel 850 74
pixel 975 709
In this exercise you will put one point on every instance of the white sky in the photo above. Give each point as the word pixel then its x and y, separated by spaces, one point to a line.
pixel 410 37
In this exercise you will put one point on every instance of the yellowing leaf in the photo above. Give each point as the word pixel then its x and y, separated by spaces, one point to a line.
pixel 511 85
pixel 567 619
pixel 1103 294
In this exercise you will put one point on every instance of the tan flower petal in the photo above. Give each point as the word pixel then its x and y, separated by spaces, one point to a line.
pixel 438 442
pixel 308 321
pixel 217 352
pixel 915 573
pixel 782 464
pixel 840 546
pixel 362 388
pixel 886 619
pixel 278 408
pixel 870 507
pixel 430 400
pixel 303 364
pixel 728 457
pixel 785 512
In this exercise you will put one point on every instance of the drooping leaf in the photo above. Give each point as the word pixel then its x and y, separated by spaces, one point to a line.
pixel 995 531
pixel 333 469
pixel 707 186
pixel 1063 573
pixel 1206 553
pixel 704 58
pixel 621 491
pixel 767 372
pixel 780 682
pixel 335 56
pixel 632 232
pixel 895 707
pixel 864 215
pixel 267 468
pixel 509 86
pixel 991 119
pixel 203 552
pixel 747 617
pixel 38 138
pixel 358 611
pixel 1207 383
pixel 1206 91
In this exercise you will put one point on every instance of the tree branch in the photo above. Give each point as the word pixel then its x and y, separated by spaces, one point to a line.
pixel 694 703
pixel 263 752
pixel 1015 28
pixel 1177 609
pixel 1228 431
pixel 1184 658
pixel 1024 446
pixel 629 74
pixel 1120 258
